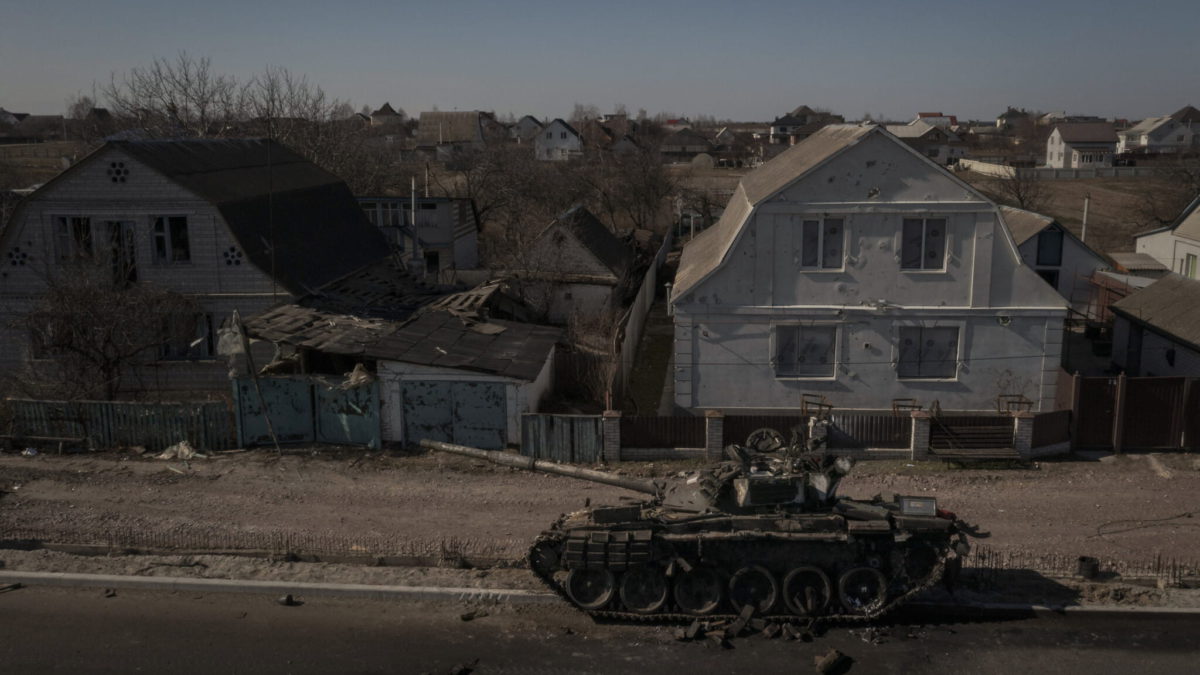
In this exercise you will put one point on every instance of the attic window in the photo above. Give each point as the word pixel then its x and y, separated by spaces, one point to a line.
pixel 117 172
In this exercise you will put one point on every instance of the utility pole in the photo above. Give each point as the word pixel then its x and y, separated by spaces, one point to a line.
pixel 1087 198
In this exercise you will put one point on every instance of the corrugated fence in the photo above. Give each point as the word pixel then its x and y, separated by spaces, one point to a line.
pixel 562 438
pixel 111 424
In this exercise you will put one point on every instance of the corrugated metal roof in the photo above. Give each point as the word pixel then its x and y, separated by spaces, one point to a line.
pixel 1137 262
pixel 1167 306
pixel 272 199
pixel 435 128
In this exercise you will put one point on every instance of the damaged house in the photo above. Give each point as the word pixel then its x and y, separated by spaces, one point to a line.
pixel 853 268
pixel 459 367
pixel 231 224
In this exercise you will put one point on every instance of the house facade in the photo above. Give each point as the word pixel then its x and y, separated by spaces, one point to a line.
pixel 1152 336
pixel 524 129
pixel 557 142
pixel 441 236
pixel 1059 257
pixel 852 267
pixel 235 224
pixel 1157 135
pixel 575 266
pixel 1081 146
pixel 1176 247
pixel 937 143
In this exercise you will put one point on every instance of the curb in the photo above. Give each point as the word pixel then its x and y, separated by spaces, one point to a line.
pixel 308 589
pixel 508 595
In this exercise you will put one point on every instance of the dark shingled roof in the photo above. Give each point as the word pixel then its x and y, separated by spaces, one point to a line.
pixel 1187 115
pixel 595 237
pixel 319 234
pixel 1159 306
pixel 1087 132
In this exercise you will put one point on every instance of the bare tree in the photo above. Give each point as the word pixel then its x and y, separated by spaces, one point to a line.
pixel 91 335
pixel 1175 186
pixel 79 106
pixel 178 98
pixel 1022 188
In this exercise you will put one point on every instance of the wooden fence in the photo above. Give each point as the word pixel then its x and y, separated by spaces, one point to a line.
pixel 1136 413
pixel 563 438
pixel 112 424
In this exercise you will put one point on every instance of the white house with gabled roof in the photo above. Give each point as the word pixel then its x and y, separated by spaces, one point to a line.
pixel 854 268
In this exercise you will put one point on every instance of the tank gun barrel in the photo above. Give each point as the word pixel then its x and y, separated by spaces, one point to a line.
pixel 643 485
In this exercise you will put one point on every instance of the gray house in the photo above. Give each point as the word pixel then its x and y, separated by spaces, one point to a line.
pixel 236 224
pixel 557 141
pixel 853 268
pixel 1156 330
pixel 1081 145
pixel 575 265
pixel 438 232
pixel 1177 246
pixel 1057 255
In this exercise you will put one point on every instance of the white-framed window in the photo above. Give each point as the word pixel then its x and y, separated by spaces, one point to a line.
pixel 1188 266
pixel 188 340
pixel 923 244
pixel 73 237
pixel 805 351
pixel 171 243
pixel 822 243
pixel 927 353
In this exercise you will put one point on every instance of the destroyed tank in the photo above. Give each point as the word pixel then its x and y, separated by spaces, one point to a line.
pixel 763 533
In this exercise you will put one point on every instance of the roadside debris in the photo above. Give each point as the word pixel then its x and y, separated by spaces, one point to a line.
pixel 473 614
pixel 832 662
pixel 289 601
pixel 10 587
pixel 110 592
pixel 29 452
pixel 181 450
pixel 871 635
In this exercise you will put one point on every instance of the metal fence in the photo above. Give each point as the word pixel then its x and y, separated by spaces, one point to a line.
pixel 563 438
pixel 111 424
pixel 847 430
pixel 634 320
pixel 662 432
pixel 1051 428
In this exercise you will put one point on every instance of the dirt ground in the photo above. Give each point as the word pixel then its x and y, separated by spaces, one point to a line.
pixel 1127 511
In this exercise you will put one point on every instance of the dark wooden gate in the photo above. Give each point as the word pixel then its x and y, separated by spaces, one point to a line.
pixel 1094 412
pixel 1154 412
pixel 662 432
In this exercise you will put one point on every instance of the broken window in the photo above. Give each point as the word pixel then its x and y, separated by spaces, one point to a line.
pixel 928 353
pixel 171 242
pixel 1049 247
pixel 923 244
pixel 821 243
pixel 188 340
pixel 805 351
pixel 73 237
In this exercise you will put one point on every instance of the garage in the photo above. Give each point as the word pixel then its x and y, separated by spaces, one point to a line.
pixel 470 413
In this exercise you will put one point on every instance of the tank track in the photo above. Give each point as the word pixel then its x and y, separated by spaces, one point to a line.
pixel 554 538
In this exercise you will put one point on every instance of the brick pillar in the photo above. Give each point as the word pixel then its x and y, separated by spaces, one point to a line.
pixel 1023 433
pixel 714 434
pixel 919 441
pixel 611 430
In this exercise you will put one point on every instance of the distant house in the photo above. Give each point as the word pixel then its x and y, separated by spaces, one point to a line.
pixel 683 145
pixel 1177 246
pixel 525 129
pixel 1157 135
pixel 854 268
pixel 1081 145
pixel 444 134
pixel 236 224
pixel 460 368
pixel 36 128
pixel 387 116
pixel 935 142
pixel 937 119
pixel 441 237
pixel 557 142
pixel 1188 116
pixel 575 265
pixel 1012 118
pixel 1156 331
pixel 1057 255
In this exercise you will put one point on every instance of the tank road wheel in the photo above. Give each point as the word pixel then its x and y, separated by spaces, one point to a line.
pixel 862 590
pixel 807 591
pixel 698 591
pixel 644 589
pixel 591 589
pixel 753 585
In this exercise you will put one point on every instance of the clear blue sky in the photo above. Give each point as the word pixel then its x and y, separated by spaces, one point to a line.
pixel 742 60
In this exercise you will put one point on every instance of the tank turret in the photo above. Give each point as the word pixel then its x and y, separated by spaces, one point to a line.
pixel 763 529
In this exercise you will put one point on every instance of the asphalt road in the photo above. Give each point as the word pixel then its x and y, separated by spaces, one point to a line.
pixel 81 630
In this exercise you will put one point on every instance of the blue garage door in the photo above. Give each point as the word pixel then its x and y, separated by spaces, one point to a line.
pixel 467 413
